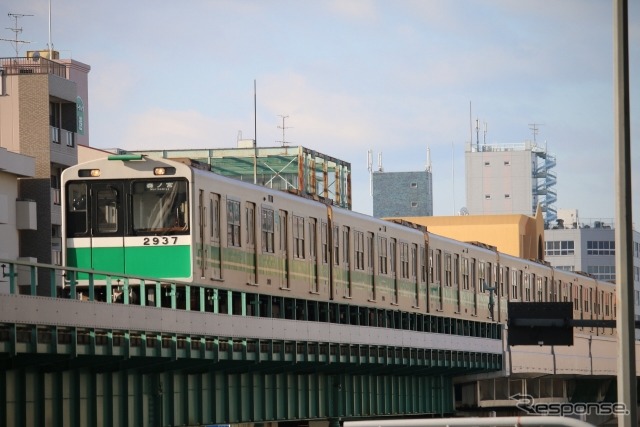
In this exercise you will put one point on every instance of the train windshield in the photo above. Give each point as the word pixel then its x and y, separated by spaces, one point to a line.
pixel 159 207
pixel 112 208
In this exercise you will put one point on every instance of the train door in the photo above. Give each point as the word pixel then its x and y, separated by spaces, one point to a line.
pixel 251 254
pixel 107 226
pixel 215 252
pixel 283 246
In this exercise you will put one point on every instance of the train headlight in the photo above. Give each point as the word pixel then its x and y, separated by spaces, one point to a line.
pixel 89 172
pixel 164 171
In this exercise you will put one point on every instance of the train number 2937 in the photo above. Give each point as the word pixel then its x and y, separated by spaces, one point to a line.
pixel 153 241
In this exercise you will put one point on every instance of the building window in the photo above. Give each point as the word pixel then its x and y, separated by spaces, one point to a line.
pixel 487 163
pixel 414 204
pixel 601 247
pixel 507 162
pixel 559 247
pixel 487 196
pixel 414 185
pixel 507 196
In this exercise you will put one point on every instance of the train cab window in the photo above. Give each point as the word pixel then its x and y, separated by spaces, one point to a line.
pixel 76 209
pixel 107 210
pixel 159 207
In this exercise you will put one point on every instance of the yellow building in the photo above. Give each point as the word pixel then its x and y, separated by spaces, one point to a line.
pixel 517 235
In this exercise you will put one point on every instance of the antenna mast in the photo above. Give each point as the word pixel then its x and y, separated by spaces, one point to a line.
pixel 16 30
pixel 535 129
pixel 283 127
pixel 370 170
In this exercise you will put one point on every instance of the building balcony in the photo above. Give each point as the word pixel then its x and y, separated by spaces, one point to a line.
pixel 63 146
pixel 56 209
pixel 32 65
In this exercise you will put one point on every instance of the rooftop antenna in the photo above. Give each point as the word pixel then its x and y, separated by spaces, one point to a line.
pixel 428 159
pixel 477 134
pixel 484 136
pixel 380 162
pixel 535 129
pixel 255 134
pixel 283 127
pixel 50 42
pixel 16 30
pixel 370 170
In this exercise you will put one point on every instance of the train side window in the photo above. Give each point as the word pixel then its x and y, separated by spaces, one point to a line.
pixel 250 216
pixel 298 236
pixel 447 270
pixel 465 274
pixel 359 249
pixel 313 238
pixel 268 231
pixel 76 209
pixel 345 243
pixel 336 245
pixel 233 223
pixel 423 264
pixel 514 284
pixel 392 256
pixel 404 260
pixel 382 255
pixel 214 208
pixel 324 236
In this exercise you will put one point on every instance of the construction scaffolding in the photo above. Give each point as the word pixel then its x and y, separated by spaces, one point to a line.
pixel 298 170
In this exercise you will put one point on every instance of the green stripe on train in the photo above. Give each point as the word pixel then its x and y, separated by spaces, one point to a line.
pixel 147 261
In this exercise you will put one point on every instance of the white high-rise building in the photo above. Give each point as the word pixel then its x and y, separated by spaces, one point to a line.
pixel 510 179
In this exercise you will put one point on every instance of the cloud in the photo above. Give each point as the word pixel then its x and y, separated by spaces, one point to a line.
pixel 166 129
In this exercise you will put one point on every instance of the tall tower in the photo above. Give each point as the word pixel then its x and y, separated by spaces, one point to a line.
pixel 510 179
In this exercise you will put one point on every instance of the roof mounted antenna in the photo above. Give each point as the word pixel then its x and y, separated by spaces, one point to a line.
pixel 16 30
pixel 535 129
pixel 283 127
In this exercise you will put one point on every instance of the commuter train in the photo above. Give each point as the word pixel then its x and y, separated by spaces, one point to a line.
pixel 174 220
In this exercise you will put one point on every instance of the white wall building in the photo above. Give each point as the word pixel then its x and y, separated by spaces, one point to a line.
pixel 510 179
pixel 589 246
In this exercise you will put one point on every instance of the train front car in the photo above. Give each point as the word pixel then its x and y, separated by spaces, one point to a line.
pixel 129 215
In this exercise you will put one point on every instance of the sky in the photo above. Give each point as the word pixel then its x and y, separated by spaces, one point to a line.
pixel 394 77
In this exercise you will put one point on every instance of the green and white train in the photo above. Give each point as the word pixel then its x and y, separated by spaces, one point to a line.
pixel 173 220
